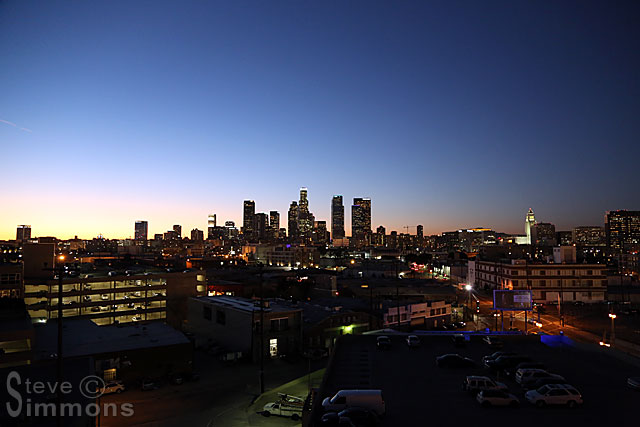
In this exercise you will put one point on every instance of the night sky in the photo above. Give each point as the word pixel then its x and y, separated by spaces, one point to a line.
pixel 448 114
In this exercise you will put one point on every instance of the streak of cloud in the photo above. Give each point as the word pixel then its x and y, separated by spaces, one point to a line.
pixel 15 125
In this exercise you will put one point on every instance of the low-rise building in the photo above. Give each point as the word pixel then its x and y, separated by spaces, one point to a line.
pixel 428 314
pixel 234 324
pixel 550 282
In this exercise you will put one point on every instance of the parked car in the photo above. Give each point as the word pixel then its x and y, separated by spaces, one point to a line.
pixel 383 342
pixel 493 342
pixel 413 341
pixel 112 387
pixel 544 381
pixel 554 394
pixel 104 296
pixel 634 382
pixel 506 362
pixel 352 417
pixel 497 354
pixel 488 398
pixel 524 365
pixel 368 399
pixel 454 361
pixel 527 377
pixel 136 318
pixel 474 384
pixel 459 325
pixel 112 273
pixel 148 385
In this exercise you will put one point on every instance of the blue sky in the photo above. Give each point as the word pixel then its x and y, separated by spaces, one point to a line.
pixel 447 114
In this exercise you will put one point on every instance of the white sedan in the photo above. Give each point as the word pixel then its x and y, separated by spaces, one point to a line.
pixel 554 394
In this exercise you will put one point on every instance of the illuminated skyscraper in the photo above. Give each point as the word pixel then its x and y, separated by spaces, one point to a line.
pixel 420 232
pixel 622 230
pixel 292 220
pixel 305 218
pixel 274 223
pixel 141 230
pixel 248 219
pixel 177 229
pixel 337 218
pixel 211 226
pixel 529 222
pixel 361 221
pixel 23 233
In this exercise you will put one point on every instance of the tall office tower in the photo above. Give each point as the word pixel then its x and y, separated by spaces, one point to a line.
pixel 248 219
pixel 23 232
pixel 262 225
pixel 274 223
pixel 197 235
pixel 529 222
pixel 231 232
pixel 177 229
pixel 420 232
pixel 337 218
pixel 292 220
pixel 320 233
pixel 141 230
pixel 361 221
pixel 379 237
pixel 211 226
pixel 622 229
pixel 305 218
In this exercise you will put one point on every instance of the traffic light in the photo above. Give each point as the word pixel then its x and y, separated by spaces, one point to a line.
pixel 478 306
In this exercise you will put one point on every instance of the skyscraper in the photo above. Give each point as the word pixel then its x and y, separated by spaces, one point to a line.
pixel 420 232
pixel 248 219
pixel 262 225
pixel 141 230
pixel 337 218
pixel 292 220
pixel 211 226
pixel 320 234
pixel 177 229
pixel 305 218
pixel 529 222
pixel 622 230
pixel 274 223
pixel 197 235
pixel 23 233
pixel 361 221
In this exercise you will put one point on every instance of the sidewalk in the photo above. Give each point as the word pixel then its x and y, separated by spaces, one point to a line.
pixel 298 387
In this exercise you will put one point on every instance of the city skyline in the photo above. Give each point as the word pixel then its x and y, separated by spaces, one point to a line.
pixel 204 224
pixel 444 115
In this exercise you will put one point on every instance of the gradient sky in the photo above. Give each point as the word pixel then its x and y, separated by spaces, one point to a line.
pixel 448 114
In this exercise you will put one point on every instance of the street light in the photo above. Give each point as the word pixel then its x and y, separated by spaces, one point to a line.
pixel 613 328
pixel 468 288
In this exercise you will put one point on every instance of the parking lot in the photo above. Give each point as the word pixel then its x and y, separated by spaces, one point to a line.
pixel 417 392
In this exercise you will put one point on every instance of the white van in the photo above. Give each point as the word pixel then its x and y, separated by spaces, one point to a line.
pixel 368 399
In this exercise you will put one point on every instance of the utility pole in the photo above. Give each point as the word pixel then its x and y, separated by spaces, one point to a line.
pixel 261 331
pixel 397 292
pixel 59 271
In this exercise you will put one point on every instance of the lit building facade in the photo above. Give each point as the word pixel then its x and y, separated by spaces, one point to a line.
pixel 141 230
pixel 361 221
pixel 248 219
pixel 622 230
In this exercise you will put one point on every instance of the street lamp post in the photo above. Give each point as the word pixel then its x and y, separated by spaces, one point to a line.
pixel 613 328
pixel 468 288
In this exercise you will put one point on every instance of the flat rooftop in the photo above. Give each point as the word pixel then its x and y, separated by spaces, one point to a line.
pixel 417 392
pixel 82 337
pixel 249 305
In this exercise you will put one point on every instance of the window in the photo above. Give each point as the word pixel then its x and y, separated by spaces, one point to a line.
pixel 279 324
pixel 206 312
pixel 221 317
pixel 543 283
pixel 543 273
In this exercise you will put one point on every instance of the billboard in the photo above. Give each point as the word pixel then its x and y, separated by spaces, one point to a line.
pixel 512 300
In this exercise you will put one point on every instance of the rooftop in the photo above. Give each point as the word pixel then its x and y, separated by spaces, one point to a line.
pixel 82 337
